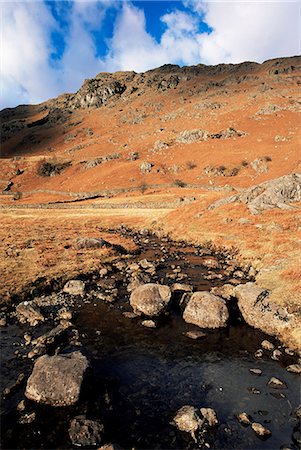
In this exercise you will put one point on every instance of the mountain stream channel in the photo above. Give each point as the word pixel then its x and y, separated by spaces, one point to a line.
pixel 142 372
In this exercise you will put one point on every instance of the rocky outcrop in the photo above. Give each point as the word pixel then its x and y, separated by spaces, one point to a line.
pixel 276 193
pixel 96 92
pixel 57 380
pixel 260 312
pixel 206 311
pixel 150 299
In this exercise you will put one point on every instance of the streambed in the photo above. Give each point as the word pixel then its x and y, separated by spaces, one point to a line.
pixel 141 376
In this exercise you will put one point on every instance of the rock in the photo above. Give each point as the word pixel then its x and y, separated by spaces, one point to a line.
pixel 258 353
pixel 90 243
pixel 210 416
pixel 195 334
pixel 276 383
pixel 27 418
pixel 267 345
pixel 260 430
pixel 244 418
pixel 64 314
pixel 57 380
pixel 146 167
pixel 259 311
pixel 211 263
pixel 187 419
pixel 29 312
pixel 2 322
pixel 226 291
pixel 276 355
pixel 206 311
pixel 255 371
pixel 149 323
pixel 21 406
pixel 9 390
pixel 189 136
pixel 96 92
pixel 74 287
pixel 103 272
pixel 294 368
pixel 129 315
pixel 150 299
pixel 277 193
pixel 110 447
pixel 260 165
pixel 84 432
pixel 180 287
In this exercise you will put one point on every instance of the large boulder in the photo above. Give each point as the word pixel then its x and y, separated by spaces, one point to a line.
pixel 150 299
pixel 259 311
pixel 57 380
pixel 206 311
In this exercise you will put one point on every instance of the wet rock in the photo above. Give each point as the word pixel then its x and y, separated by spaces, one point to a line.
pixel 276 383
pixel 27 338
pixel 255 371
pixel 209 416
pixel 260 312
pixel 9 390
pixel 244 418
pixel 260 430
pixel 181 287
pixel 276 355
pixel 38 350
pixel 43 342
pixel 150 299
pixel 298 412
pixel 206 311
pixel 74 287
pixel 84 432
pixel 187 419
pixel 27 418
pixel 130 315
pixel 226 291
pixel 195 334
pixel 2 322
pixel 57 380
pixel 21 406
pixel 294 368
pixel 254 390
pixel 110 447
pixel 259 353
pixel 29 312
pixel 149 324
pixel 267 345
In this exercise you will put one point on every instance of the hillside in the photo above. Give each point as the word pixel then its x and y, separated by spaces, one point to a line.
pixel 156 150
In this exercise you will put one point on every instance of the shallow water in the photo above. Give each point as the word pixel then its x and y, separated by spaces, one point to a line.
pixel 140 377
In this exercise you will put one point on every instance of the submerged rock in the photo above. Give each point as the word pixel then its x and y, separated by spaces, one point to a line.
pixel 57 380
pixel 84 432
pixel 150 299
pixel 260 430
pixel 209 416
pixel 206 311
pixel 276 383
pixel 244 418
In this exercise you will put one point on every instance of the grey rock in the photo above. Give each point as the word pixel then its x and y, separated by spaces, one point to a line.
pixel 29 312
pixel 57 380
pixel 74 287
pixel 150 299
pixel 146 167
pixel 255 371
pixel 206 311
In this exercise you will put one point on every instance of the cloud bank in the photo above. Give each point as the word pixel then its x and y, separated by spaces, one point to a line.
pixel 233 32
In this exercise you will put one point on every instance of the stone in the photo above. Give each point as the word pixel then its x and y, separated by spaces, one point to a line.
pixel 110 447
pixel 187 419
pixel 260 430
pixel 267 345
pixel 27 418
pixel 84 432
pixel 181 287
pixel 103 272
pixel 255 371
pixel 259 311
pixel 226 291
pixel 74 287
pixel 146 167
pixel 149 323
pixel 210 416
pixel 129 315
pixel 206 311
pixel 150 299
pixel 82 243
pixel 195 334
pixel 244 418
pixel 211 263
pixel 259 353
pixel 29 312
pixel 276 383
pixel 57 380
pixel 294 368
pixel 2 322
pixel 276 355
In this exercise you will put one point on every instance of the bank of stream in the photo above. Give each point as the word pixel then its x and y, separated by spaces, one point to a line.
pixel 139 377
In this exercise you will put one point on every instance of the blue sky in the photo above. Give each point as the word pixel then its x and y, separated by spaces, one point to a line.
pixel 50 47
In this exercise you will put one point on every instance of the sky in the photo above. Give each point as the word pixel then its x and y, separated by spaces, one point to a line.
pixel 50 47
